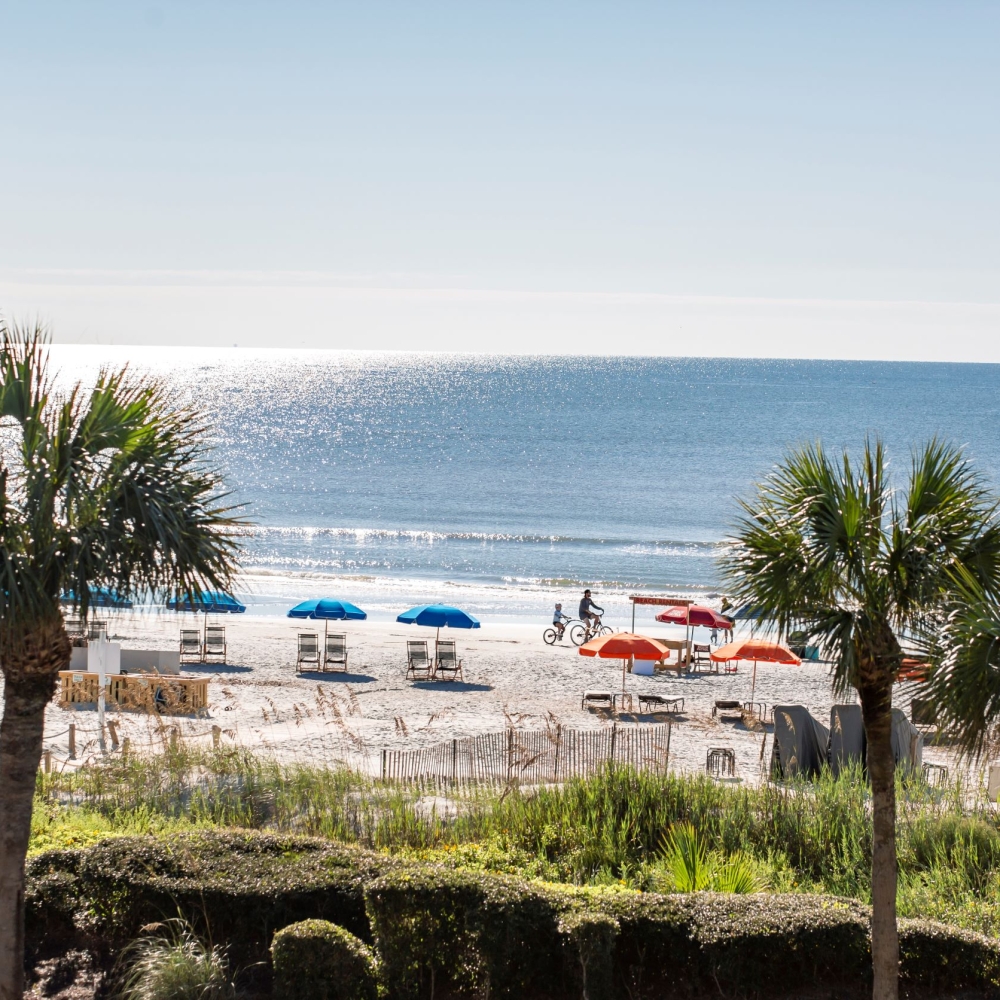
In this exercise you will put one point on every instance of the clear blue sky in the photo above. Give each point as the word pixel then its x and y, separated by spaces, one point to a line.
pixel 793 178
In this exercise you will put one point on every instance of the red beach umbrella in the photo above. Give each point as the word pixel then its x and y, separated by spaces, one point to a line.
pixel 758 650
pixel 695 615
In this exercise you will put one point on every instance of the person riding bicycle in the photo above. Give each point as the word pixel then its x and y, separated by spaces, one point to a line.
pixel 559 620
pixel 587 609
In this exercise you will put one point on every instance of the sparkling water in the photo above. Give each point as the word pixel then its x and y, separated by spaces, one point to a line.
pixel 502 484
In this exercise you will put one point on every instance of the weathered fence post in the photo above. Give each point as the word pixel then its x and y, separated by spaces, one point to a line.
pixel 383 763
pixel 125 746
pixel 216 737
pixel 666 762
pixel 48 761
pixel 614 734
pixel 113 730
pixel 454 761
pixel 72 741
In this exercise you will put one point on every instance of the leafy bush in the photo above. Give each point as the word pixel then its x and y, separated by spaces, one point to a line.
pixel 174 965
pixel 317 960
pixel 688 866
pixel 469 930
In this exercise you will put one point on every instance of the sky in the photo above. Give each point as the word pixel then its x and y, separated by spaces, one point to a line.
pixel 775 180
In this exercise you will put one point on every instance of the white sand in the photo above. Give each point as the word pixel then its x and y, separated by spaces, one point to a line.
pixel 510 676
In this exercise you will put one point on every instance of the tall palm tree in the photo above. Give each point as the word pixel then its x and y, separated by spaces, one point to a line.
pixel 107 488
pixel 829 548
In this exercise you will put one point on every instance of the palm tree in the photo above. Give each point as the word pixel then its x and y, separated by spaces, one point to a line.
pixel 102 489
pixel 964 648
pixel 827 547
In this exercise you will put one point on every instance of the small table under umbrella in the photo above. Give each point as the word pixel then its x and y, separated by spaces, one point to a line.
pixel 758 650
pixel 625 646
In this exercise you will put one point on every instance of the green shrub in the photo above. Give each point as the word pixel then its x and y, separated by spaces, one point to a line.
pixel 317 960
pixel 590 939
pixel 463 930
pixel 232 887
pixel 174 965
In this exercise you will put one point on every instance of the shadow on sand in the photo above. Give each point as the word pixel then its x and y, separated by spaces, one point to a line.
pixel 320 675
pixel 451 686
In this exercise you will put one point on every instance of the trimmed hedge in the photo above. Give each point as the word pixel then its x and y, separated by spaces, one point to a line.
pixel 468 931
pixel 317 960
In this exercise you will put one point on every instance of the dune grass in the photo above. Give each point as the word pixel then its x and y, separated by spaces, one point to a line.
pixel 607 830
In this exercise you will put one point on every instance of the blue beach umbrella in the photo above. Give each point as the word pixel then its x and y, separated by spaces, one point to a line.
pixel 328 609
pixel 438 616
pixel 100 597
pixel 209 602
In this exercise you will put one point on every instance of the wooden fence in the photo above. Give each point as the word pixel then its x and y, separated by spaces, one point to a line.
pixel 516 756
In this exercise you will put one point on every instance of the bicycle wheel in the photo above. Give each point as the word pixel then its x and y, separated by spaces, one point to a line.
pixel 549 635
pixel 577 634
pixel 606 630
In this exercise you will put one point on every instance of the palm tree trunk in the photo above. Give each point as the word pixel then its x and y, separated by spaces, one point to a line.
pixel 31 663
pixel 877 711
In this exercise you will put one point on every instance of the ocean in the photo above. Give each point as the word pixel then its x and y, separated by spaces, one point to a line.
pixel 501 484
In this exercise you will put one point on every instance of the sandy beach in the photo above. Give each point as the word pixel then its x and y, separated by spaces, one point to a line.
pixel 511 678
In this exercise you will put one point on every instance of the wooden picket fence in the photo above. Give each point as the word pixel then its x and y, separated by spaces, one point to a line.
pixel 533 757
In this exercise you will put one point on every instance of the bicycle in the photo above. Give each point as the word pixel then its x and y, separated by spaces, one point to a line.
pixel 581 633
pixel 552 635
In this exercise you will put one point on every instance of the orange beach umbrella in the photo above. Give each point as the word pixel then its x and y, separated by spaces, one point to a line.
pixel 758 650
pixel 625 646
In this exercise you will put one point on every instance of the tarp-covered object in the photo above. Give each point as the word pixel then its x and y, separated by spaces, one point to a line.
pixel 848 744
pixel 800 743
pixel 907 742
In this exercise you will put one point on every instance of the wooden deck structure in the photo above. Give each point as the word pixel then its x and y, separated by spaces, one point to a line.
pixel 151 692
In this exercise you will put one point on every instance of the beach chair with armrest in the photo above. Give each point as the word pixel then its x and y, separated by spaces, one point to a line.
pixel 215 643
pixel 335 654
pixel 308 651
pixel 700 652
pixel 418 662
pixel 190 647
pixel 447 665
pixel 76 629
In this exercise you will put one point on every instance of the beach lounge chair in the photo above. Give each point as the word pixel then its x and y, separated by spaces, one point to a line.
pixel 726 707
pixel 660 703
pixel 190 647
pixel 308 651
pixel 215 643
pixel 418 662
pixel 447 665
pixel 598 699
pixel 95 628
pixel 335 654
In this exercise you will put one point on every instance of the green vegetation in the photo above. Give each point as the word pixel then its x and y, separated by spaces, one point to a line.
pixel 618 830
pixel 317 960
pixel 443 931
pixel 171 963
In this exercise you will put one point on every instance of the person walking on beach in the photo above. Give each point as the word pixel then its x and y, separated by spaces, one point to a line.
pixel 587 609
